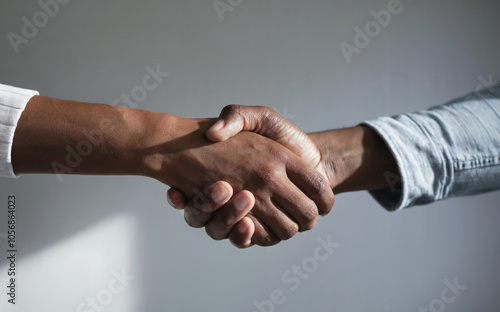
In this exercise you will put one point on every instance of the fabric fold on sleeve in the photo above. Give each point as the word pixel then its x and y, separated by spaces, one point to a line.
pixel 447 150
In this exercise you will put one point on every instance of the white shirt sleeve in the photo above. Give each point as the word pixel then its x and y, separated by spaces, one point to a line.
pixel 12 103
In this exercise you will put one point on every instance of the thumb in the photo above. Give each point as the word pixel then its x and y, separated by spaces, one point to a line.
pixel 264 121
pixel 232 120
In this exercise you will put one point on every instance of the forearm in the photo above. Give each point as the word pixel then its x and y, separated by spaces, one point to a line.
pixel 58 136
pixel 355 159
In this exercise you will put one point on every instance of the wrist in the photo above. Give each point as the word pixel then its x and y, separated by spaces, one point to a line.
pixel 141 132
pixel 354 158
pixel 166 142
pixel 151 131
pixel 341 151
pixel 127 139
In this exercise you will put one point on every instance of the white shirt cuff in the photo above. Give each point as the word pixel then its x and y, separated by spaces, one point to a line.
pixel 12 103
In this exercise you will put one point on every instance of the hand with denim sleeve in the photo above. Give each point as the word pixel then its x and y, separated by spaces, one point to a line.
pixel 405 160
pixel 350 159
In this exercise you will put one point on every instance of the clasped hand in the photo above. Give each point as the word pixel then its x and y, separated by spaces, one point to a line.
pixel 256 188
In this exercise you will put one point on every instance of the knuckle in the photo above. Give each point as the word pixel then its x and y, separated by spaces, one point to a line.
pixel 281 154
pixel 310 214
pixel 287 232
pixel 322 193
pixel 318 184
pixel 267 112
pixel 283 158
pixel 230 110
pixel 270 175
pixel 230 107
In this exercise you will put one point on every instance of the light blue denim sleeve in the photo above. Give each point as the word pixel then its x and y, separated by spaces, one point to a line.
pixel 447 150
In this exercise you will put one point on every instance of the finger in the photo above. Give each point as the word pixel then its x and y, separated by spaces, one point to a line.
pixel 234 119
pixel 262 235
pixel 288 209
pixel 226 217
pixel 299 207
pixel 312 183
pixel 196 219
pixel 213 197
pixel 176 199
pixel 200 208
pixel 273 222
pixel 241 234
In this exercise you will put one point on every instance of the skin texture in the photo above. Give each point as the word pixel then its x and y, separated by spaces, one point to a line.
pixel 50 129
pixel 277 192
pixel 351 159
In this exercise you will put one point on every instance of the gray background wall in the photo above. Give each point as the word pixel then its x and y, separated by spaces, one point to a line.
pixel 75 235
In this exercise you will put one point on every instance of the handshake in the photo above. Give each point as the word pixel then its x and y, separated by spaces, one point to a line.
pixel 264 179
pixel 250 176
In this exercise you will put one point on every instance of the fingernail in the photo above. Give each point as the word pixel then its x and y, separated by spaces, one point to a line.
pixel 218 193
pixel 241 228
pixel 170 202
pixel 240 202
pixel 218 125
